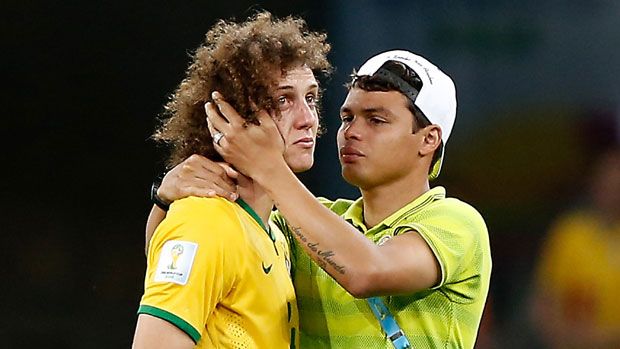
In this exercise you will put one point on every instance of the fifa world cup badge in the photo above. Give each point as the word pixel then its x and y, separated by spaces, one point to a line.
pixel 175 261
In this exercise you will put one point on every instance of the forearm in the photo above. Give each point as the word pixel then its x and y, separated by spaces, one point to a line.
pixel 336 246
pixel 155 217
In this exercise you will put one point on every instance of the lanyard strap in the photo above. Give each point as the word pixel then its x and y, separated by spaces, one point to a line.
pixel 388 323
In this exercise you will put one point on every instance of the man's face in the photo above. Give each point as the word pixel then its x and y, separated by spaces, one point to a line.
pixel 376 144
pixel 296 95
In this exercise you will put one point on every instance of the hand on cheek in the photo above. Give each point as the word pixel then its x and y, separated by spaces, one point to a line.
pixel 249 148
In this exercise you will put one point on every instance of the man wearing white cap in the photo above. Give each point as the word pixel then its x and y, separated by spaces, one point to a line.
pixel 418 274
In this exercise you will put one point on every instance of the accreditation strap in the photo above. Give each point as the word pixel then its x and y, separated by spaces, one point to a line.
pixel 389 325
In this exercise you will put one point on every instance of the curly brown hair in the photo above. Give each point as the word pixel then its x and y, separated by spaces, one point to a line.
pixel 243 61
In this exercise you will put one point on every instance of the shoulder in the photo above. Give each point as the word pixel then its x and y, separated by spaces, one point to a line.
pixel 451 214
pixel 196 207
pixel 458 236
pixel 450 226
pixel 461 210
pixel 199 219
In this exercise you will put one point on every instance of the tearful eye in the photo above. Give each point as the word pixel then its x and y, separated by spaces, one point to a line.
pixel 282 100
pixel 311 100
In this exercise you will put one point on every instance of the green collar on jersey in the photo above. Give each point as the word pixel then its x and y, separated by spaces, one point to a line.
pixel 254 215
pixel 355 212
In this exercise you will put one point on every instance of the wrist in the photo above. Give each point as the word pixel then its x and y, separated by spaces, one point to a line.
pixel 155 197
pixel 273 176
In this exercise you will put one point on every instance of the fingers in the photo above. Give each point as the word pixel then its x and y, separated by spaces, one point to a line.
pixel 210 126
pixel 215 121
pixel 213 191
pixel 198 176
pixel 200 171
pixel 209 186
pixel 199 166
pixel 222 117
pixel 228 112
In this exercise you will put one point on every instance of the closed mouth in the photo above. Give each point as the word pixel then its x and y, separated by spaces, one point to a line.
pixel 349 154
pixel 305 142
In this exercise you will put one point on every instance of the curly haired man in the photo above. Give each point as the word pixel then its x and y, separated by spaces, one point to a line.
pixel 218 274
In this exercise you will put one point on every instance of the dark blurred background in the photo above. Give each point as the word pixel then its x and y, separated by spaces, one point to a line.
pixel 539 99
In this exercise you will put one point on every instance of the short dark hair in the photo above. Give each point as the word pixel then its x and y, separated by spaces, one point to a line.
pixel 379 83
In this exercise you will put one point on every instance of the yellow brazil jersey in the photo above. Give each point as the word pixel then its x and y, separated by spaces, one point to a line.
pixel 580 268
pixel 446 316
pixel 216 273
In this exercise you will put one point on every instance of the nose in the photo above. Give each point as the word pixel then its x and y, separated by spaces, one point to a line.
pixel 351 130
pixel 306 117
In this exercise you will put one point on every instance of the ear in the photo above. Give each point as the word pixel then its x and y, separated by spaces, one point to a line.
pixel 431 140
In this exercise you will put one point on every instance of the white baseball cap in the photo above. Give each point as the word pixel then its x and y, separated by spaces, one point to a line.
pixel 436 99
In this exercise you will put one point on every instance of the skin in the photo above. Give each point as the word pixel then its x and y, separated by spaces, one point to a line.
pixel 298 124
pixel 152 332
pixel 375 126
pixel 296 129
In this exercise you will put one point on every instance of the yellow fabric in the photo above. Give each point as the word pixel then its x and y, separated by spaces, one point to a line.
pixel 580 267
pixel 238 293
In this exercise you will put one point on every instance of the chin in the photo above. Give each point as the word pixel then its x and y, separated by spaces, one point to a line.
pixel 357 178
pixel 301 163
pixel 351 177
pixel 301 166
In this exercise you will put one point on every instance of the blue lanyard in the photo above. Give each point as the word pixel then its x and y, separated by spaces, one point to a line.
pixel 388 323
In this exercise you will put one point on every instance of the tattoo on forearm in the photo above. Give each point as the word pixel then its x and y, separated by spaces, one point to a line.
pixel 324 257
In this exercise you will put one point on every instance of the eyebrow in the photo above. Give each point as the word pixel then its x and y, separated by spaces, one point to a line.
pixel 366 110
pixel 291 87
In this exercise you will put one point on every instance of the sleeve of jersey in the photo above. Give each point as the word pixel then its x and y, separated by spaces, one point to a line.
pixel 458 237
pixel 187 272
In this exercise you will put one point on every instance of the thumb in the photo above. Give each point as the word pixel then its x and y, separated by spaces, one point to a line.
pixel 230 171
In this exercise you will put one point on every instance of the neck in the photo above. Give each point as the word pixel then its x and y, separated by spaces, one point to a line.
pixel 383 200
pixel 255 196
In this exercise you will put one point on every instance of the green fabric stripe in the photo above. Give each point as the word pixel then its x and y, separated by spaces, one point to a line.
pixel 251 212
pixel 254 215
pixel 171 318
pixel 431 197
pixel 413 210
